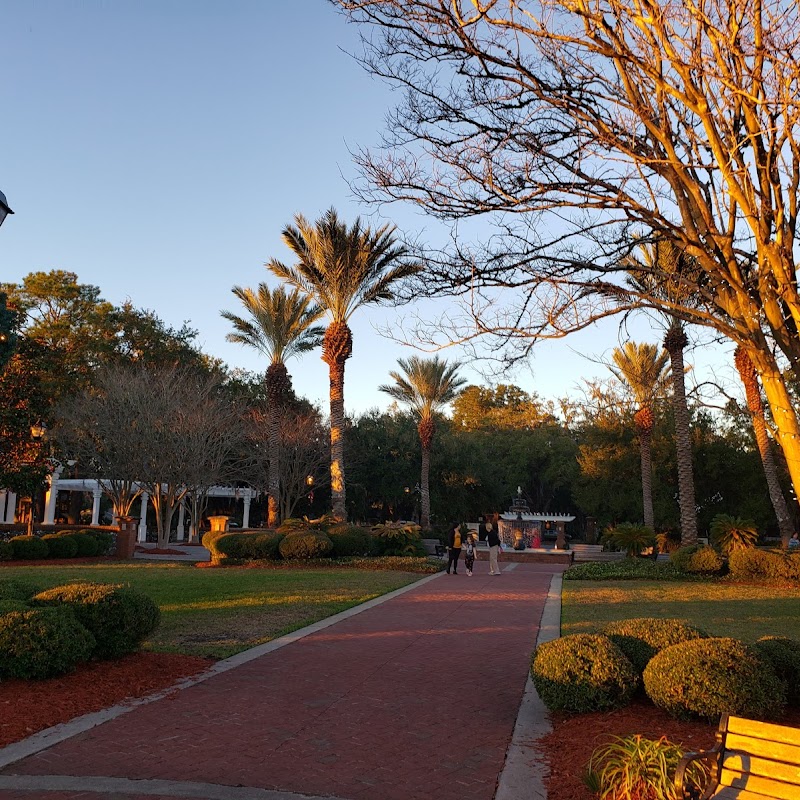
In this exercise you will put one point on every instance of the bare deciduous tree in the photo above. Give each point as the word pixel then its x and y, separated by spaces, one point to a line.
pixel 581 124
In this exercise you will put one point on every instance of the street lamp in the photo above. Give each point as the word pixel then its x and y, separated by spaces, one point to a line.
pixel 5 209
pixel 310 487
pixel 38 432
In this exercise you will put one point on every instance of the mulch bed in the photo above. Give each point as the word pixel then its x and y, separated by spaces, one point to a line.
pixel 160 551
pixel 568 747
pixel 30 706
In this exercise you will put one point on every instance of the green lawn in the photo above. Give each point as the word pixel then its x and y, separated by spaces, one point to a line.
pixel 218 612
pixel 722 609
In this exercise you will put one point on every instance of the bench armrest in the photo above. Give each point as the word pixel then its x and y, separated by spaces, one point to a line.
pixel 711 756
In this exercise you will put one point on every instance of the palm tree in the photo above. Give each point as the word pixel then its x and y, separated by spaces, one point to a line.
pixel 645 372
pixel 342 269
pixel 280 325
pixel 666 273
pixel 747 372
pixel 426 385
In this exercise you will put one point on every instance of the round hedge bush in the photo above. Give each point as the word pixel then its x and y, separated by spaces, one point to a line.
pixel 118 617
pixel 61 546
pixel 697 560
pixel 708 677
pixel 6 551
pixel 105 540
pixel 7 606
pixel 87 545
pixel 246 546
pixel 306 544
pixel 349 540
pixel 783 655
pixel 29 548
pixel 42 642
pixel 583 672
pixel 763 565
pixel 640 639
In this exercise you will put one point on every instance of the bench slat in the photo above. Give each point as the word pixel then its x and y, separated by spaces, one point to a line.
pixel 729 793
pixel 774 750
pixel 764 786
pixel 762 767
pixel 764 730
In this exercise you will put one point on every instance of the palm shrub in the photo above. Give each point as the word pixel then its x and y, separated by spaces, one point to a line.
pixel 783 655
pixel 306 544
pixel 636 768
pixel 294 524
pixel 708 677
pixel 42 642
pixel 668 541
pixel 733 533
pixel 640 639
pixel 398 539
pixel 29 548
pixel 119 617
pixel 630 538
pixel 583 672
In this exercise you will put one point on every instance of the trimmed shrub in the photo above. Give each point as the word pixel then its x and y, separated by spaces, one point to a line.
pixel 106 541
pixel 7 606
pixel 17 590
pixel 707 677
pixel 640 639
pixel 88 546
pixel 246 546
pixel 119 617
pixel 783 655
pixel 349 540
pixel 61 546
pixel 583 672
pixel 6 551
pixel 733 533
pixel 42 642
pixel 208 539
pixel 29 548
pixel 763 565
pixel 697 560
pixel 635 767
pixel 306 544
pixel 628 569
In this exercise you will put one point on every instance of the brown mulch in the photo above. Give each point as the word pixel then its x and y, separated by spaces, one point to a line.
pixel 30 706
pixel 568 747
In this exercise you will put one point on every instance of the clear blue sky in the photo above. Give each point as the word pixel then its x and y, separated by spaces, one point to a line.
pixel 157 148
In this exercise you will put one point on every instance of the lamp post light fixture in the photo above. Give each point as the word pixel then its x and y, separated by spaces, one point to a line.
pixel 5 209
pixel 310 487
pixel 38 432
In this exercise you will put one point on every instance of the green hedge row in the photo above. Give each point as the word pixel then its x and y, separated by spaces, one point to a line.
pixel 681 668
pixel 48 633
pixel 65 544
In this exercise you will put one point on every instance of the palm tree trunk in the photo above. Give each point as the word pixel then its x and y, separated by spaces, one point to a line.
pixel 645 447
pixel 675 342
pixel 425 493
pixel 274 477
pixel 747 373
pixel 337 440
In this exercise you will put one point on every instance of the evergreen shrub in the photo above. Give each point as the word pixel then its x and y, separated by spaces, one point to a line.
pixel 246 546
pixel 697 560
pixel 763 565
pixel 306 544
pixel 88 546
pixel 16 590
pixel 6 551
pixel 106 541
pixel 7 606
pixel 349 540
pixel 119 617
pixel 783 655
pixel 640 639
pixel 708 677
pixel 583 672
pixel 42 642
pixel 61 546
pixel 29 548
pixel 397 539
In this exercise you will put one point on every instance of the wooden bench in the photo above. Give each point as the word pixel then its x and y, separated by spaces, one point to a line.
pixel 433 547
pixel 750 761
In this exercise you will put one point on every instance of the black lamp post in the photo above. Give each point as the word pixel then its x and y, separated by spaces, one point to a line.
pixel 5 209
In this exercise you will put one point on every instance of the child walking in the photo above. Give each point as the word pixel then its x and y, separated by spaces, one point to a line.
pixel 469 553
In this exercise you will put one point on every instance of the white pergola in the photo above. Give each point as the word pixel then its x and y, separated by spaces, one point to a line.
pixel 8 502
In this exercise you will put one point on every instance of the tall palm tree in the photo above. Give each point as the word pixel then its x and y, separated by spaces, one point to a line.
pixel 644 371
pixel 427 385
pixel 342 269
pixel 665 272
pixel 747 372
pixel 280 325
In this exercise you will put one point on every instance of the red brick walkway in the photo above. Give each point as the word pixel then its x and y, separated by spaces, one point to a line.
pixel 415 698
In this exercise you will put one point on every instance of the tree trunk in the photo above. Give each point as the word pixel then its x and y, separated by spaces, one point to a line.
pixel 274 478
pixel 425 494
pixel 338 498
pixel 747 373
pixel 645 448
pixel 675 342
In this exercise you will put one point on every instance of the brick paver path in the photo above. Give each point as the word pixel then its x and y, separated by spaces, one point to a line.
pixel 414 698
